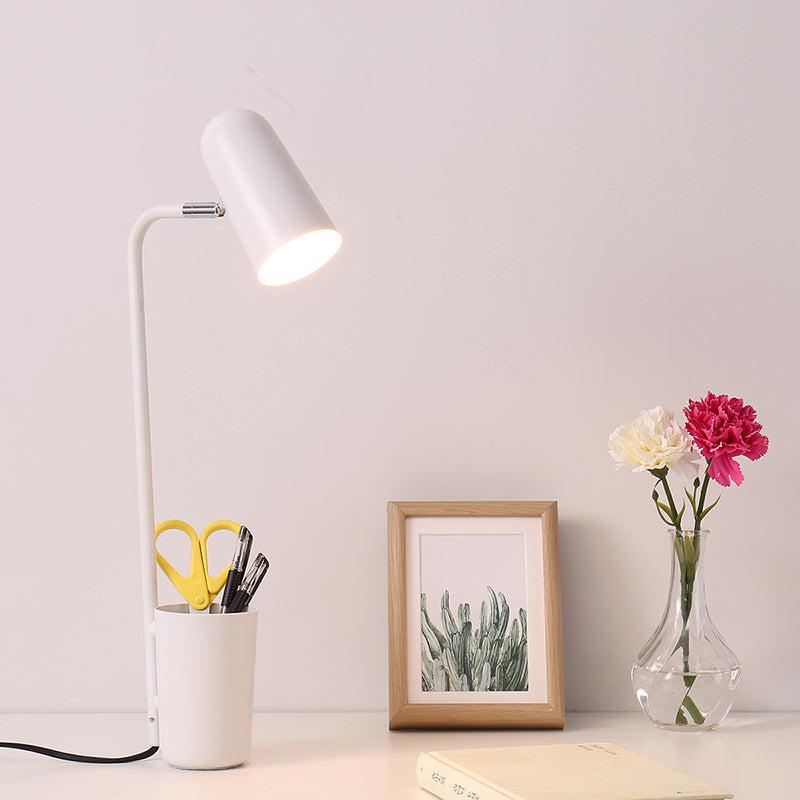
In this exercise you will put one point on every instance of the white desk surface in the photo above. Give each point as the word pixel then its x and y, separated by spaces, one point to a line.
pixel 354 756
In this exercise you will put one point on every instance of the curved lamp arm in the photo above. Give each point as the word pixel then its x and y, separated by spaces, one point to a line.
pixel 144 456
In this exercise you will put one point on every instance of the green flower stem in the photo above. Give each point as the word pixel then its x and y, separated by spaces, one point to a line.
pixel 687 549
pixel 673 516
pixel 698 514
pixel 671 502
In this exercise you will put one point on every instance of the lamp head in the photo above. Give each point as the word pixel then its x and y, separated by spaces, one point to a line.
pixel 284 229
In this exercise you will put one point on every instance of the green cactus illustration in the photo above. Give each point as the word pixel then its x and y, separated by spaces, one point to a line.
pixel 486 657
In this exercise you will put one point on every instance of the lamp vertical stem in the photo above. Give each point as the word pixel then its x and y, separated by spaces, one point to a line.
pixel 144 458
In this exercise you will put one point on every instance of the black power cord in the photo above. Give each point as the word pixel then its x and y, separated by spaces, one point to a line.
pixel 46 751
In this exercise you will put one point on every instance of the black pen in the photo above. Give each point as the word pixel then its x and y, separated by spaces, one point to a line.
pixel 249 585
pixel 238 564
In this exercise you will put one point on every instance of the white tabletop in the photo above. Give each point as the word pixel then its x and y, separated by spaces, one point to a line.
pixel 354 756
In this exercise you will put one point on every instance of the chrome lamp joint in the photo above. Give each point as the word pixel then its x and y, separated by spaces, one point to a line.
pixel 203 210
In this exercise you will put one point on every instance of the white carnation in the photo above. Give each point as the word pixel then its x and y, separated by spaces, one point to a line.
pixel 654 440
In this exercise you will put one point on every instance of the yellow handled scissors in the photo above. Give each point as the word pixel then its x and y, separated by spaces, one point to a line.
pixel 199 588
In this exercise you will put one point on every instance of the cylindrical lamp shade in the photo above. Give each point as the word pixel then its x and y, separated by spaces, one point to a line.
pixel 284 229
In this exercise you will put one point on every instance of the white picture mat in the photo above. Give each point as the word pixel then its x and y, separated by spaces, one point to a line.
pixel 526 589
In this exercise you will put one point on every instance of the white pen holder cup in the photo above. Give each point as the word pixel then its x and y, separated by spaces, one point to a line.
pixel 205 670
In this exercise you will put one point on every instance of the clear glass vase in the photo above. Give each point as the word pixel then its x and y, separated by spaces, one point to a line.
pixel 685 676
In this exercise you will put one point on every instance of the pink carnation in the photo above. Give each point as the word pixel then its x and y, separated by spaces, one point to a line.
pixel 724 428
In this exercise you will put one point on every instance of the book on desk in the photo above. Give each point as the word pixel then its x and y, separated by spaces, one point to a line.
pixel 593 771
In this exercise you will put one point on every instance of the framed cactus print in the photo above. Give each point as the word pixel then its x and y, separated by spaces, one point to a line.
pixel 474 616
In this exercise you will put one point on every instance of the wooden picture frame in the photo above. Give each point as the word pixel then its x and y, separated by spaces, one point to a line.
pixel 497 668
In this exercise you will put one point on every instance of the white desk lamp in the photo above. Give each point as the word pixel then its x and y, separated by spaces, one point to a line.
pixel 287 236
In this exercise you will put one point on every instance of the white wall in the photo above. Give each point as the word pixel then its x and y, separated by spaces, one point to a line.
pixel 556 214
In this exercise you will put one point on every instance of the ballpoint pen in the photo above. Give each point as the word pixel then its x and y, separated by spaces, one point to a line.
pixel 249 585
pixel 238 565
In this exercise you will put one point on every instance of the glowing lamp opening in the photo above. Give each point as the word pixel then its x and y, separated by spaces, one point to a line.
pixel 300 257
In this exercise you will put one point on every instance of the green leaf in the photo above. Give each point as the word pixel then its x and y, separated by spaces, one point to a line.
pixel 518 674
pixel 440 680
pixel 485 682
pixel 450 627
pixel 427 672
pixel 484 629
pixel 432 642
pixel 709 508
pixel 495 615
pixel 504 612
pixel 691 500
pixel 463 614
pixel 449 663
pixel 465 656
pixel 426 621
pixel 481 657
pixel 665 519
